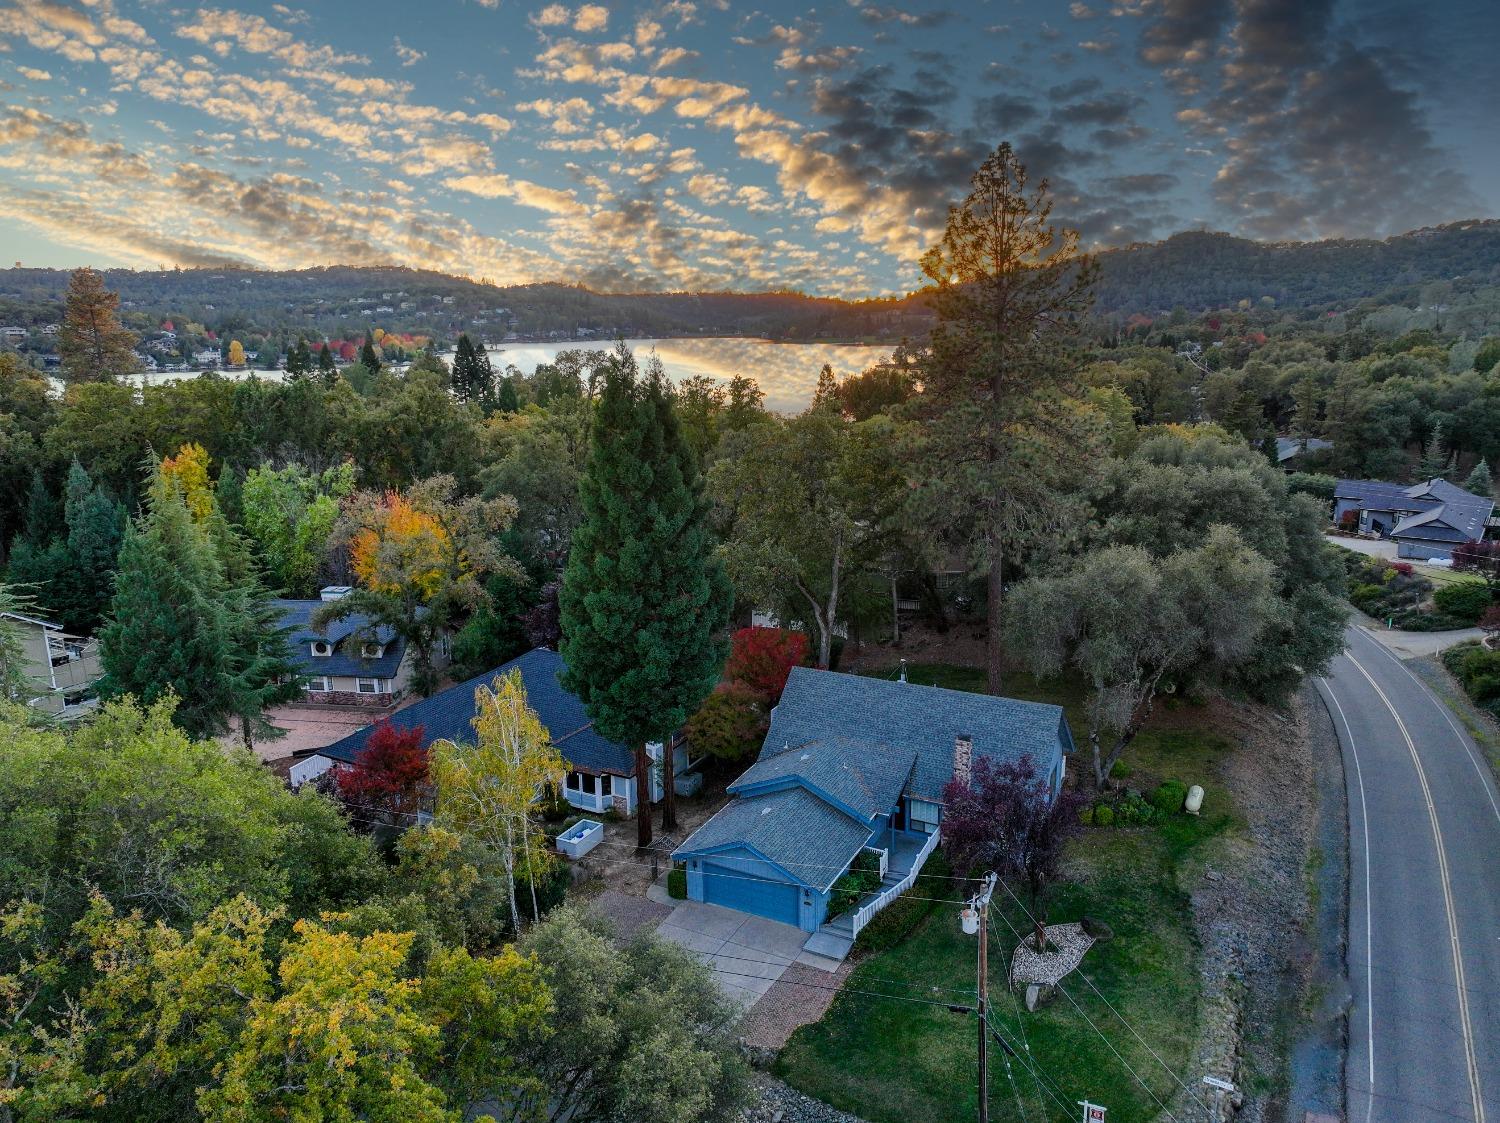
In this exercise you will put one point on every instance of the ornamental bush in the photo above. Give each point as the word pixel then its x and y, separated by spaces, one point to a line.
pixel 862 876
pixel 1169 796
pixel 1464 600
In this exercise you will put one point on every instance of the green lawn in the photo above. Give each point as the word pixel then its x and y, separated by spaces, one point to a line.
pixel 893 1061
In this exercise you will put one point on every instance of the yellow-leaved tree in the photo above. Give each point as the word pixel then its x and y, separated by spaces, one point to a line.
pixel 488 790
pixel 236 353
pixel 189 471
pixel 400 550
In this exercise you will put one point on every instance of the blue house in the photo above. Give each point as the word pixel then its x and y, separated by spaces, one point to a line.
pixel 601 773
pixel 852 764
pixel 1425 520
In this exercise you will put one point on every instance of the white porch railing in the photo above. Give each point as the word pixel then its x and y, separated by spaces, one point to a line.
pixel 866 912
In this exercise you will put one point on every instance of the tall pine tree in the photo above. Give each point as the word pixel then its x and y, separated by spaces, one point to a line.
pixel 170 626
pixel 328 372
pixel 644 602
pixel 93 344
pixel 369 358
pixel 466 375
pixel 299 361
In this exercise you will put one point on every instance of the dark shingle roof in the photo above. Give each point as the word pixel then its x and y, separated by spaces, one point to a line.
pixel 867 778
pixel 1432 509
pixel 810 839
pixel 1288 447
pixel 448 713
pixel 925 720
pixel 346 635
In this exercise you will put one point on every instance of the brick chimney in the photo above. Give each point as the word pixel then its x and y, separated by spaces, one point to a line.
pixel 963 758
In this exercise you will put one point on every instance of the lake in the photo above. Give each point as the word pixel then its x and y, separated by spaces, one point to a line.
pixel 786 372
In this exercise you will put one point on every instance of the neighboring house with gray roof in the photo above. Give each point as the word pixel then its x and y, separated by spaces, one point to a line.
pixel 601 773
pixel 1425 520
pixel 352 661
pixel 851 764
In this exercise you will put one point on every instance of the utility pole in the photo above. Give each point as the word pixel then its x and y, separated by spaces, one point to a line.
pixel 977 918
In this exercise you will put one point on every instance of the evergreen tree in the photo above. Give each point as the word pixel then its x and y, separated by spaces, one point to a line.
pixel 1479 481
pixel 465 375
pixel 96 524
pixel 1003 443
pixel 1433 464
pixel 1268 447
pixel 327 370
pixel 1305 417
pixel 299 361
pixel 643 602
pixel 507 402
pixel 369 358
pixel 170 628
pixel 93 345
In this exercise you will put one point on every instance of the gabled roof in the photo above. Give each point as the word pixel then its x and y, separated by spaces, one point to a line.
pixel 347 635
pixel 865 780
pixel 448 713
pixel 1288 447
pixel 924 720
pixel 808 838
pixel 1382 496
pixel 1431 509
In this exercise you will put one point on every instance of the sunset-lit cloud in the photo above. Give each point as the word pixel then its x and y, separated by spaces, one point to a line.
pixel 673 144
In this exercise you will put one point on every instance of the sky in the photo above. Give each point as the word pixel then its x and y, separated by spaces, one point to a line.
pixel 708 144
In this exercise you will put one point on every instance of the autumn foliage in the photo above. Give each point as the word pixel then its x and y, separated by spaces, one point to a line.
pixel 730 723
pixel 400 548
pixel 388 775
pixel 763 658
pixel 189 471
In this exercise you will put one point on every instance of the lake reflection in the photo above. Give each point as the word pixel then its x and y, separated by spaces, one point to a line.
pixel 786 372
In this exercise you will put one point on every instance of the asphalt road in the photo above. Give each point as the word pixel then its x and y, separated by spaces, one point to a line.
pixel 1424 898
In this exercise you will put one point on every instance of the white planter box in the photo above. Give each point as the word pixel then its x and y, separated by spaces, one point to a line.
pixel 580 838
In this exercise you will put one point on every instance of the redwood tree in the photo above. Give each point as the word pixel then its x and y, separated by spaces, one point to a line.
pixel 644 602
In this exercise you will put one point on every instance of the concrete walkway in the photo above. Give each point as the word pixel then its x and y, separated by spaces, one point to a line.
pixel 1415 645
pixel 747 953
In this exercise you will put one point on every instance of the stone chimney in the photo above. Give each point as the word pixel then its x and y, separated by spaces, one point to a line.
pixel 963 758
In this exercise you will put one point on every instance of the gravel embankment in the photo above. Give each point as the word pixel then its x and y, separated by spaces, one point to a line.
pixel 777 1103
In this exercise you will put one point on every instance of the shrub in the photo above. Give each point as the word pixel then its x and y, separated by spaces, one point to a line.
pixel 677 883
pixel 762 658
pixel 730 723
pixel 1349 520
pixel 1406 569
pixel 1465 600
pixel 1104 815
pixel 900 918
pixel 1121 771
pixel 862 876
pixel 1169 796
pixel 1086 816
pixel 1312 483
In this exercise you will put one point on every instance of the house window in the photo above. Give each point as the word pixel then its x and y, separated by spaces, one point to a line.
pixel 584 782
pixel 606 785
pixel 371 650
pixel 367 685
pixel 318 683
pixel 322 648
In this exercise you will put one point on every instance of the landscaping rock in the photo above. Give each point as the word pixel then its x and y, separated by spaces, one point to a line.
pixel 1098 929
pixel 774 1102
pixel 1039 995
pixel 1065 945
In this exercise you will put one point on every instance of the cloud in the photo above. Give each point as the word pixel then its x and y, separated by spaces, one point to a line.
pixel 591 17
pixel 522 191
pixel 409 56
pixel 33 73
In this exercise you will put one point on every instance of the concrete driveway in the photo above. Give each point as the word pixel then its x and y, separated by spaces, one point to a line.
pixel 747 953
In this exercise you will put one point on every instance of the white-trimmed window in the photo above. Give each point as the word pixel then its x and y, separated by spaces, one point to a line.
pixel 585 782
pixel 367 685
pixel 318 683
pixel 322 648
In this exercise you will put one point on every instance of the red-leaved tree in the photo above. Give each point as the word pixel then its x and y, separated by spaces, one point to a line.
pixel 386 780
pixel 1006 820
pixel 762 658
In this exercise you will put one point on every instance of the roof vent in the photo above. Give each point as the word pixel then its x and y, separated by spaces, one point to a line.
pixel 767 810
pixel 335 592
pixel 903 670
pixel 805 756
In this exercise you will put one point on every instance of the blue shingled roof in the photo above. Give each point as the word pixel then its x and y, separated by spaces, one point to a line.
pixel 1433 509
pixel 448 713
pixel 347 637
pixel 810 839
pixel 867 779
pixel 925 720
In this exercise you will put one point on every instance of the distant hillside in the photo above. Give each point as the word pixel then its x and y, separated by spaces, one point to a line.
pixel 1194 270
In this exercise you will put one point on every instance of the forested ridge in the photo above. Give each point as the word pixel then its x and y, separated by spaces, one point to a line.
pixel 1194 270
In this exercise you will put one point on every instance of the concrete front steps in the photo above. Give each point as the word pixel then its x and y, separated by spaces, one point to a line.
pixel 833 941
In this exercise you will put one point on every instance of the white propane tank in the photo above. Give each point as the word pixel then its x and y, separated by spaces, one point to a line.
pixel 1194 801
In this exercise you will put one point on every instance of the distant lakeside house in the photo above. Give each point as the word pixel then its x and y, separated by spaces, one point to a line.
pixel 63 669
pixel 1425 520
pixel 601 773
pixel 348 662
pixel 853 764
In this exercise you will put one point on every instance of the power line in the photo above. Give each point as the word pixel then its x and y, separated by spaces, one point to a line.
pixel 1120 1017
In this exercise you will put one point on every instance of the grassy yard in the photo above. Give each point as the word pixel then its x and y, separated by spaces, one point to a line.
pixel 894 1061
